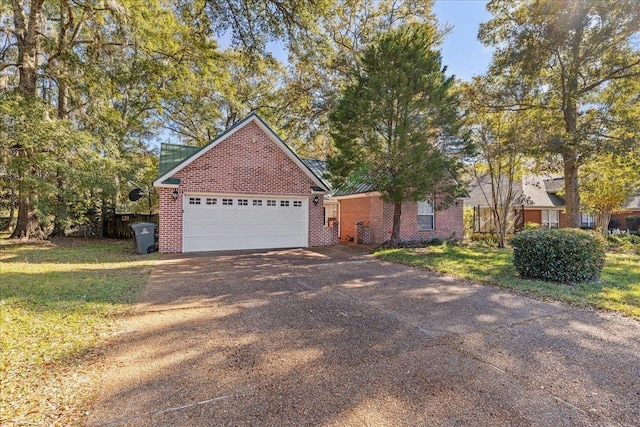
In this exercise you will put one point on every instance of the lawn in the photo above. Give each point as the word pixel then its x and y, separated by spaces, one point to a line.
pixel 59 303
pixel 618 290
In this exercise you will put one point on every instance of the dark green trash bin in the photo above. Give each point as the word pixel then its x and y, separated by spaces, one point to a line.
pixel 144 237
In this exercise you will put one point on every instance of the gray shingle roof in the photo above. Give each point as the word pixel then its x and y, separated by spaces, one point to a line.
pixel 538 191
pixel 634 203
pixel 480 192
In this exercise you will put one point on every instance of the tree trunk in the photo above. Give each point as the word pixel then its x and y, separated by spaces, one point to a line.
pixel 27 35
pixel 395 230
pixel 27 226
pixel 572 196
pixel 61 212
pixel 12 210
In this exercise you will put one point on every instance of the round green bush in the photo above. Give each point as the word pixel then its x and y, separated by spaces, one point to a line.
pixel 560 255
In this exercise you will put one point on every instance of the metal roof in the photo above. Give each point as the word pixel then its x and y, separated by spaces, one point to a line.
pixel 171 155
pixel 354 188
pixel 319 169
pixel 174 156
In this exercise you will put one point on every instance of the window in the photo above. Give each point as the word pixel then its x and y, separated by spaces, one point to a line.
pixel 587 221
pixel 227 202
pixel 425 216
pixel 257 203
pixel 297 203
pixel 243 202
pixel 212 201
pixel 284 203
pixel 271 202
pixel 551 219
pixel 194 200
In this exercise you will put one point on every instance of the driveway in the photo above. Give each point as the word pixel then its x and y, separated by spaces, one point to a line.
pixel 333 337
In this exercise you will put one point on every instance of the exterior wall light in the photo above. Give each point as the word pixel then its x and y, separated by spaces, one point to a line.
pixel 316 200
pixel 174 195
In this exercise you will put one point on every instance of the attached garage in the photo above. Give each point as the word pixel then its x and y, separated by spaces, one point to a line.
pixel 244 190
pixel 216 222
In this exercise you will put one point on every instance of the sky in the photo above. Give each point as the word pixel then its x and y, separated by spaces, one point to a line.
pixel 462 53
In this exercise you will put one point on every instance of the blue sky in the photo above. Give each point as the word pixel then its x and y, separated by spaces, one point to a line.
pixel 462 53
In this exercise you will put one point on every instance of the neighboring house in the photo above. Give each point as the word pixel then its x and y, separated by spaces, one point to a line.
pixel 365 218
pixel 535 201
pixel 632 208
pixel 246 189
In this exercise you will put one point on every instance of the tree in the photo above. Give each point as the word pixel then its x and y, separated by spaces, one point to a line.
pixel 395 126
pixel 608 182
pixel 565 54
pixel 498 136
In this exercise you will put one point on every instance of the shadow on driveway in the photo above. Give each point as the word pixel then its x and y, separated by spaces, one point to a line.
pixel 334 337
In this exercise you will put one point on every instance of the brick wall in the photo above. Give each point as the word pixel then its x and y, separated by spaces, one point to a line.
pixel 373 212
pixel 246 162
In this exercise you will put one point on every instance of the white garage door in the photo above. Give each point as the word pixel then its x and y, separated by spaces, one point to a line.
pixel 219 222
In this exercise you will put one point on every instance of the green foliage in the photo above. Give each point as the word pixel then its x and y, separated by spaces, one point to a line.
pixel 633 222
pixel 608 181
pixel 395 126
pixel 623 243
pixel 573 64
pixel 59 303
pixel 531 225
pixel 561 255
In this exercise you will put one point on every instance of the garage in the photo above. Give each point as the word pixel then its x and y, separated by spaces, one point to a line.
pixel 214 222
pixel 246 189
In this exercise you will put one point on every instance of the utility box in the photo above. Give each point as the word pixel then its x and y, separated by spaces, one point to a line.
pixel 144 237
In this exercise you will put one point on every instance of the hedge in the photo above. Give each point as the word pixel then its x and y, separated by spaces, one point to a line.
pixel 560 255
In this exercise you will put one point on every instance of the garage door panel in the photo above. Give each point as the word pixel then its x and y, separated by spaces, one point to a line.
pixel 259 225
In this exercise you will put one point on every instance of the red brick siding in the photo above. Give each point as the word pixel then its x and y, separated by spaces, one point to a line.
pixel 379 216
pixel 622 218
pixel 169 222
pixel 352 211
pixel 246 162
pixel 533 216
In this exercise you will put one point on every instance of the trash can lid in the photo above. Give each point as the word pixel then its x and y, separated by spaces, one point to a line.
pixel 142 224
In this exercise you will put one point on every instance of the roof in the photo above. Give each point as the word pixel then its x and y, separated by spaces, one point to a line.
pixel 354 188
pixel 553 185
pixel 538 191
pixel 319 169
pixel 180 156
pixel 480 191
pixel 633 203
pixel 171 155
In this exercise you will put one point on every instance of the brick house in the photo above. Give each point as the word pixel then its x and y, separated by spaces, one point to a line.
pixel 535 200
pixel 246 189
pixel 365 218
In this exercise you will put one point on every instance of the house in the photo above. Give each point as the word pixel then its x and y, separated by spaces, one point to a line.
pixel 246 189
pixel 535 200
pixel 632 208
pixel 365 218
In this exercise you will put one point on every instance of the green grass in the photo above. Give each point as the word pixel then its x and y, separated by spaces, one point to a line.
pixel 618 290
pixel 58 303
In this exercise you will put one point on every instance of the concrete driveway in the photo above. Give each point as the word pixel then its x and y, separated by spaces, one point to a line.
pixel 333 337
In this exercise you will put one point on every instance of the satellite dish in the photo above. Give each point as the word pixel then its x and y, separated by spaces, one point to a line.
pixel 135 194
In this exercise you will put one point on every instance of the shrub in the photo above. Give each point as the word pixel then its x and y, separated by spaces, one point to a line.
pixel 614 223
pixel 633 222
pixel 531 225
pixel 564 255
